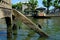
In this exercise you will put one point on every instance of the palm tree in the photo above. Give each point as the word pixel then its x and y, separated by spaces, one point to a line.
pixel 47 4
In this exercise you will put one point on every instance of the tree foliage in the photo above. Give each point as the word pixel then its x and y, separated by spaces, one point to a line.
pixel 14 6
pixel 47 4
pixel 55 4
pixel 17 6
pixel 33 4
pixel 59 4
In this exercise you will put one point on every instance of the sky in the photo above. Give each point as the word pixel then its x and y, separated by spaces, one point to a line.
pixel 16 1
pixel 39 2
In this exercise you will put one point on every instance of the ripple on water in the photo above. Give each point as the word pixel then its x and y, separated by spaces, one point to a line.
pixel 3 35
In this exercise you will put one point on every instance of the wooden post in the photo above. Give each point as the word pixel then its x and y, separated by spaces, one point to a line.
pixel 28 22
pixel 9 27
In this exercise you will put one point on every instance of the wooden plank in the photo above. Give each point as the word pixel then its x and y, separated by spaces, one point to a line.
pixel 28 22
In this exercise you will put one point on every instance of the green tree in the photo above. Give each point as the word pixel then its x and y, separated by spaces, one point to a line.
pixel 17 6
pixel 33 4
pixel 14 6
pixel 47 4
pixel 55 4
pixel 59 4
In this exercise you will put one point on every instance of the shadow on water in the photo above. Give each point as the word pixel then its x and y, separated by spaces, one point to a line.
pixel 30 35
pixel 13 35
pixel 42 38
pixel 9 29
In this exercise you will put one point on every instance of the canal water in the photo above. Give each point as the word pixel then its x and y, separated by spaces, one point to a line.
pixel 23 32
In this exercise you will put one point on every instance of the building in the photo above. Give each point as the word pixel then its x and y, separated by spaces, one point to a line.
pixel 41 11
pixel 24 6
pixel 6 16
pixel 5 6
pixel 5 3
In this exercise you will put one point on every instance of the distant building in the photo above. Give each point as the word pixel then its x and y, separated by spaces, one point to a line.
pixel 41 11
pixel 24 6
pixel 55 12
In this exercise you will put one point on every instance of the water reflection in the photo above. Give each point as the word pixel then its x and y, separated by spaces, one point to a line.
pixel 13 35
pixel 42 38
pixel 30 35
pixel 50 26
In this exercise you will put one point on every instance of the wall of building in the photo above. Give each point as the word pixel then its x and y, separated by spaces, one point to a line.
pixel 5 3
pixel 5 12
pixel 5 6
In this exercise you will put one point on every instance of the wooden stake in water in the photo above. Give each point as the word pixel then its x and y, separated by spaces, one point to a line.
pixel 9 27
